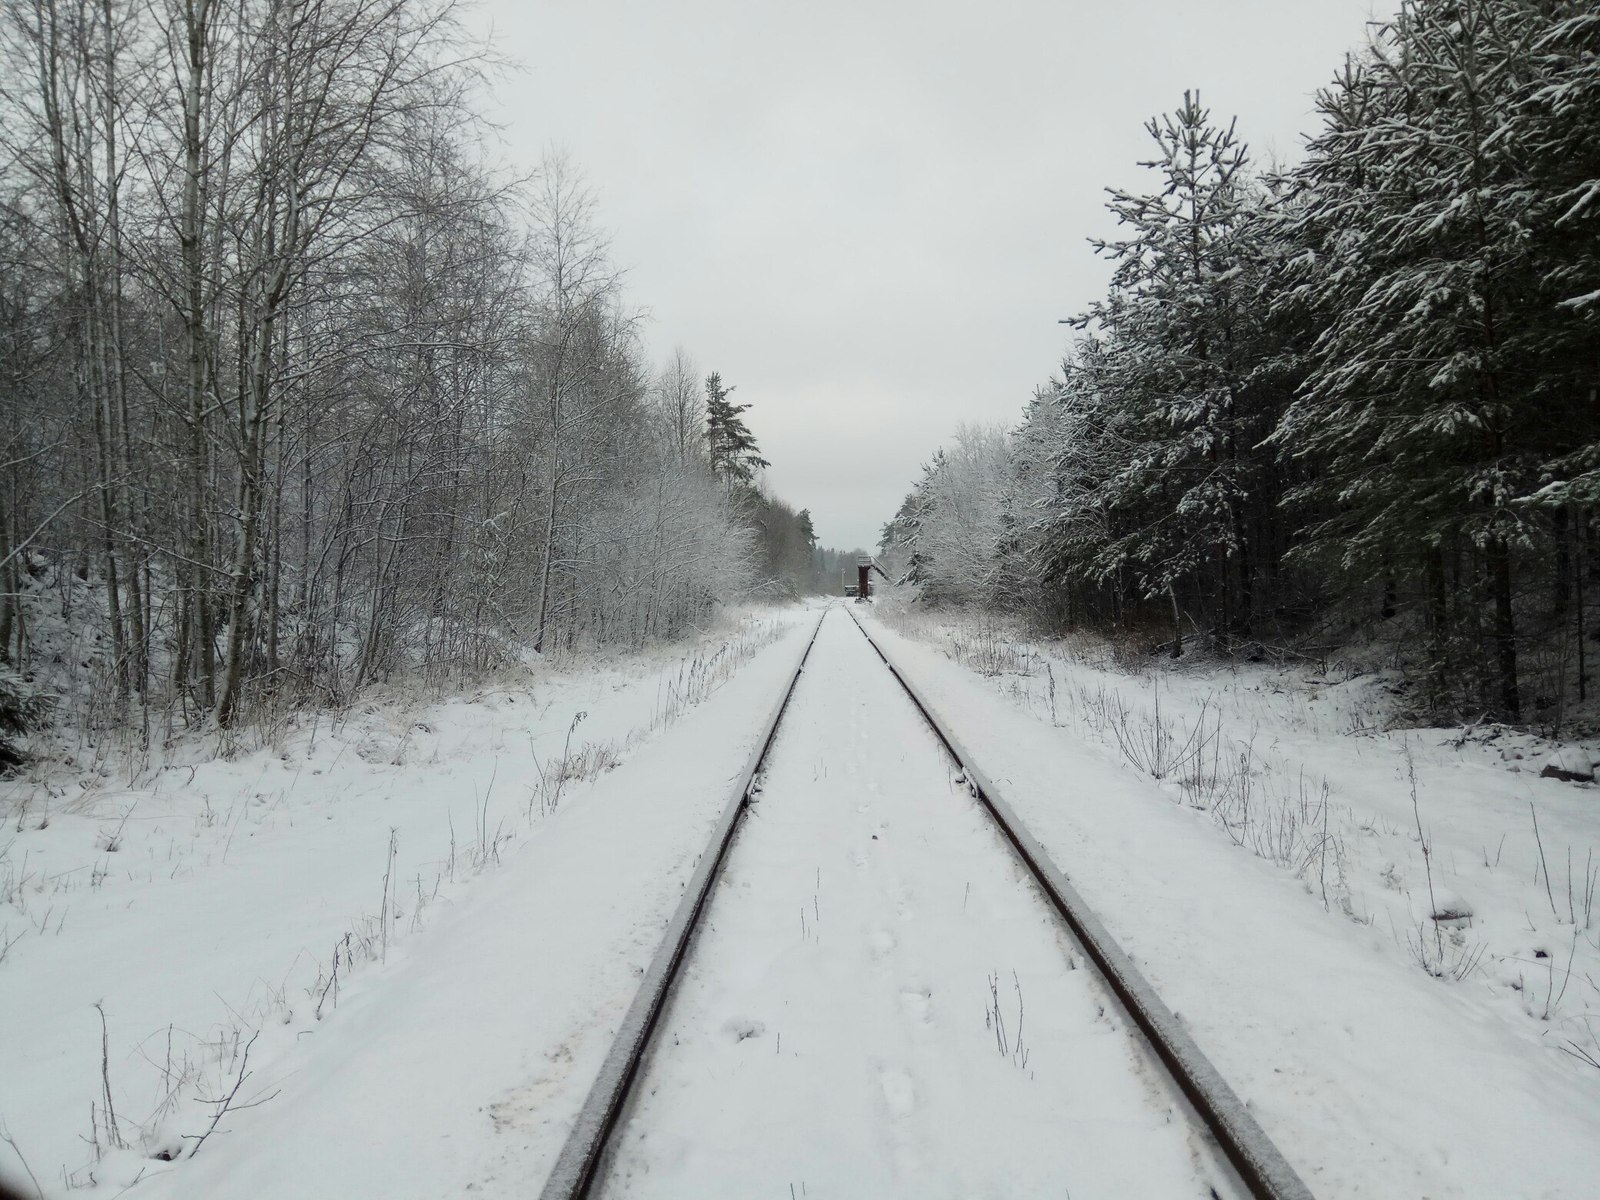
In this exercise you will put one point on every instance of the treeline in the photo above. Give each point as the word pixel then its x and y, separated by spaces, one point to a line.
pixel 1359 390
pixel 296 391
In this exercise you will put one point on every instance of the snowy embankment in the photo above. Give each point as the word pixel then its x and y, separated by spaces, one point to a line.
pixel 308 904
pixel 1291 923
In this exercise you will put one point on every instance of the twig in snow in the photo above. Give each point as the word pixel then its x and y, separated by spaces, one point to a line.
pixel 1591 875
pixel 113 841
pixel 483 817
pixel 566 758
pixel 1572 910
pixel 226 1103
pixel 333 982
pixel 996 1018
pixel 113 1134
pixel 1582 1055
pixel 1548 893
pixel 1427 855
pixel 5 1136
pixel 1548 1004
pixel 1020 1054
pixel 383 911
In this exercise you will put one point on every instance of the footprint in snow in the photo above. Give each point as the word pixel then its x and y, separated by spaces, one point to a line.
pixel 898 1091
pixel 882 943
pixel 917 1005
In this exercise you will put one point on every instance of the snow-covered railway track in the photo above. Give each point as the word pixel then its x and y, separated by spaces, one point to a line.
pixel 880 1003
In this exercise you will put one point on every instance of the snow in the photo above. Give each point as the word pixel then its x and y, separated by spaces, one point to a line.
pixel 1374 1077
pixel 233 881
pixel 837 1027
pixel 836 1030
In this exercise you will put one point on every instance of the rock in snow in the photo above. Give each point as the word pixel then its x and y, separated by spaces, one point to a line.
pixel 1569 762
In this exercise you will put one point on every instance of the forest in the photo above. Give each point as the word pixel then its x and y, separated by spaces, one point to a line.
pixel 299 388
pixel 1353 397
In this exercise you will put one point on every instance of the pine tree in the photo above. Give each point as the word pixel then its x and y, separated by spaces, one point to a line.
pixel 1557 121
pixel 735 457
pixel 1371 378
pixel 1081 436
pixel 1170 373
pixel 1416 410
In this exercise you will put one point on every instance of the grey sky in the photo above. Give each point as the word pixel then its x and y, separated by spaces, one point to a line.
pixel 869 216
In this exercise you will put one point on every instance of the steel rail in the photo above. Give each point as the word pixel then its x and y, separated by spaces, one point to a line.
pixel 1261 1165
pixel 579 1165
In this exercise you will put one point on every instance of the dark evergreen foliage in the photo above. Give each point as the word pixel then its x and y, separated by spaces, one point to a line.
pixel 735 457
pixel 1361 394
pixel 23 708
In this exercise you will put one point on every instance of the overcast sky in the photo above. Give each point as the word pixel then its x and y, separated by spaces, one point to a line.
pixel 868 216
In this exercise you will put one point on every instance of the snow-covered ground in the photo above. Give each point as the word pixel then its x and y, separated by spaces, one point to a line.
pixel 1272 883
pixel 881 1003
pixel 490 877
pixel 208 901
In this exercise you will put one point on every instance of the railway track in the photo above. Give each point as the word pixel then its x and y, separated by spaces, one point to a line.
pixel 1218 1149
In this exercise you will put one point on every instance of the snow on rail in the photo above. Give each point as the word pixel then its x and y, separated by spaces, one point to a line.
pixel 1261 1165
pixel 578 1166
